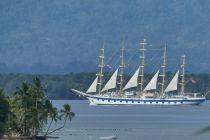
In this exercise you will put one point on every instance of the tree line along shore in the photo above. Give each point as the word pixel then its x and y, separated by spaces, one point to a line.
pixel 26 110
pixel 59 86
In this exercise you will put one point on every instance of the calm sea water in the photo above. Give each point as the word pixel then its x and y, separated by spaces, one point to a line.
pixel 135 122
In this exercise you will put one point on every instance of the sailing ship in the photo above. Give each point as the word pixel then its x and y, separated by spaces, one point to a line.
pixel 134 92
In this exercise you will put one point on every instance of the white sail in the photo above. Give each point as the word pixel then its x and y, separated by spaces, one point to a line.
pixel 173 84
pixel 111 83
pixel 133 82
pixel 93 86
pixel 152 85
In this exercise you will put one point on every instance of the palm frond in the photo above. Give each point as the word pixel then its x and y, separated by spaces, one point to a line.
pixel 202 131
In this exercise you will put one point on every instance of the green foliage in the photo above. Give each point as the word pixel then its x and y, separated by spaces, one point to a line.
pixel 66 112
pixel 31 110
pixel 59 86
pixel 4 110
pixel 203 130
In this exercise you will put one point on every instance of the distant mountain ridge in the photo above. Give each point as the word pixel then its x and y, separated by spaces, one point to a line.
pixel 66 35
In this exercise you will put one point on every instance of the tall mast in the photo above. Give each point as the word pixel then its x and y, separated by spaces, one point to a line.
pixel 163 72
pixel 183 74
pixel 142 57
pixel 101 67
pixel 122 65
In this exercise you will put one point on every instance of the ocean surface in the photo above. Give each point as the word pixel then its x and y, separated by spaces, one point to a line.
pixel 135 122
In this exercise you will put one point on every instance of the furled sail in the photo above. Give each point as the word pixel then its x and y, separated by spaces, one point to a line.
pixel 93 86
pixel 133 82
pixel 152 85
pixel 173 84
pixel 111 83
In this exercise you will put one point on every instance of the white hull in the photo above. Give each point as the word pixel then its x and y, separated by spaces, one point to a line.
pixel 129 101
pixel 100 100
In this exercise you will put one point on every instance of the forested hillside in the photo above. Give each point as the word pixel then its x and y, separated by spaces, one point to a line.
pixel 59 86
pixel 62 36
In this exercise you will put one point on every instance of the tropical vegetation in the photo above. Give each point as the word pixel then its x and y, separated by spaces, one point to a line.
pixel 59 87
pixel 4 110
pixel 29 114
